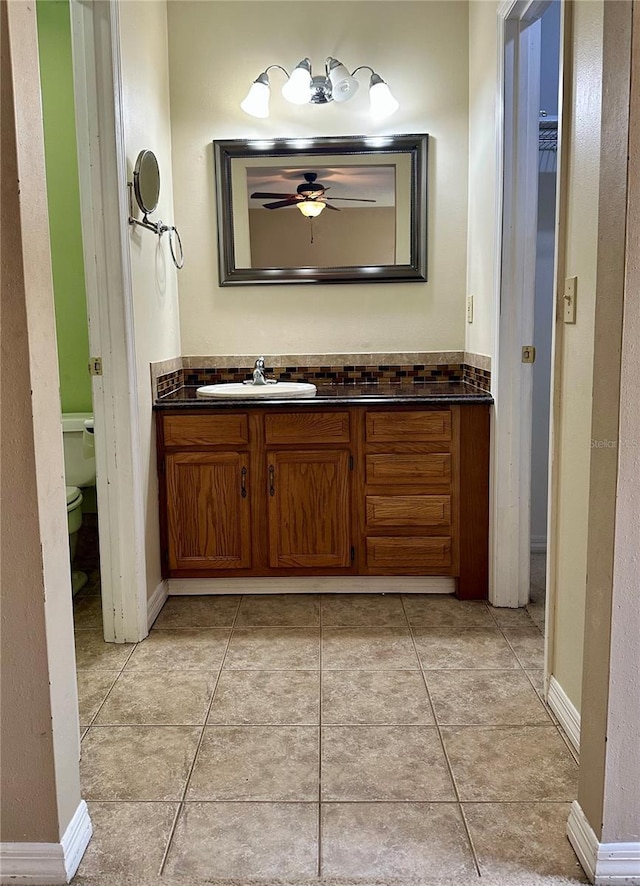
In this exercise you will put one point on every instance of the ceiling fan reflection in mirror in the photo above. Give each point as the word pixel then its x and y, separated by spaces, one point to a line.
pixel 310 197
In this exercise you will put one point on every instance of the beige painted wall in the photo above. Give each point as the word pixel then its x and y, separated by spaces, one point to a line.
pixel 216 49
pixel 154 278
pixel 285 239
pixel 40 735
pixel 483 220
pixel 574 379
pixel 609 707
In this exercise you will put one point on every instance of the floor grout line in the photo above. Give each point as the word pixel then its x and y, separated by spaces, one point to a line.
pixel 552 718
pixel 377 802
pixel 199 745
pixel 104 700
pixel 444 751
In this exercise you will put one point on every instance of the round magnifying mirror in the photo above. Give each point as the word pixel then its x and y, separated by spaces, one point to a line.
pixel 146 181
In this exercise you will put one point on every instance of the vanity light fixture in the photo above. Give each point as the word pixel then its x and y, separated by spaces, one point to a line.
pixel 303 88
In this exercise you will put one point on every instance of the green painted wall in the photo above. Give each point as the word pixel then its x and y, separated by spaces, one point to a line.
pixel 56 75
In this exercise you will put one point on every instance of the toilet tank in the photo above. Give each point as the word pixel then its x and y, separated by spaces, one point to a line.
pixel 79 457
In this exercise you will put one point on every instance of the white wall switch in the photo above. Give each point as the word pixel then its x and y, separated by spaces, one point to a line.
pixel 469 309
pixel 570 293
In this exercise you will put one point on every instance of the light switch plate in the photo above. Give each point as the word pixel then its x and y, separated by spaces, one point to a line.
pixel 469 309
pixel 570 294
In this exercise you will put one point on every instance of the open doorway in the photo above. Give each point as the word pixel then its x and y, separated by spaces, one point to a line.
pixel 70 302
pixel 524 321
pixel 544 302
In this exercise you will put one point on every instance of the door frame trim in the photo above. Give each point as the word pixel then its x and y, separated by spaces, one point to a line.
pixel 517 174
pixel 104 213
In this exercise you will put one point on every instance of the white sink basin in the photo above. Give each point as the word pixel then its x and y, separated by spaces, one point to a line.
pixel 282 390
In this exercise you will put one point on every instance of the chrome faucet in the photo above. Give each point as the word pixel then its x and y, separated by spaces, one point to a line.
pixel 259 377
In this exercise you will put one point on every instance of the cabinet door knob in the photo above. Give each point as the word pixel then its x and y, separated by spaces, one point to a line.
pixel 243 482
pixel 272 474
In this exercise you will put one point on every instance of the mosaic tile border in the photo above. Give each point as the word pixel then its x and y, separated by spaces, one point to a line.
pixel 168 384
pixel 220 370
pixel 331 374
pixel 479 378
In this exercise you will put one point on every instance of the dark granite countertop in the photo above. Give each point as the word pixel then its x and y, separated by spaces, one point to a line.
pixel 451 392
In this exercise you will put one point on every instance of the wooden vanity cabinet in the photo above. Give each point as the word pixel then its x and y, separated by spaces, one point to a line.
pixel 364 490
pixel 280 503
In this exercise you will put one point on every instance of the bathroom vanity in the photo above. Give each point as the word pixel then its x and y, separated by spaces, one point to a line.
pixel 356 481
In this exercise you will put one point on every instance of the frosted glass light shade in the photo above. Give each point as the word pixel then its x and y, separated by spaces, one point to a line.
pixel 256 102
pixel 297 89
pixel 311 208
pixel 382 102
pixel 343 85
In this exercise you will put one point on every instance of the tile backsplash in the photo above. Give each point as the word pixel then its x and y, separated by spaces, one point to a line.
pixel 336 369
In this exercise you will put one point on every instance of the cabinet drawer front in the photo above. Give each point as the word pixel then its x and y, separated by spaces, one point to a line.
pixel 408 553
pixel 418 469
pixel 432 511
pixel 205 430
pixel 307 427
pixel 414 427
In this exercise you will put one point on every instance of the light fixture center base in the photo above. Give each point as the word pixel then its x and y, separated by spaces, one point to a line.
pixel 320 91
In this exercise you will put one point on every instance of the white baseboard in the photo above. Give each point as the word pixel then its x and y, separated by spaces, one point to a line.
pixel 538 544
pixel 35 863
pixel 345 584
pixel 47 864
pixel 76 839
pixel 565 711
pixel 155 602
pixel 606 864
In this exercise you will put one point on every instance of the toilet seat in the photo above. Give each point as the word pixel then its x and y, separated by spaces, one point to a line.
pixel 74 498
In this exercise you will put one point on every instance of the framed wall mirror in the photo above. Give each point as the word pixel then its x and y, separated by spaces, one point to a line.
pixel 320 210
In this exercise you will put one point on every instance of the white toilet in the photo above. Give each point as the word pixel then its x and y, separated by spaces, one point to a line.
pixel 79 471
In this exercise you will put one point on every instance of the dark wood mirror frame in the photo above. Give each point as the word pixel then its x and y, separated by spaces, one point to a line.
pixel 414 146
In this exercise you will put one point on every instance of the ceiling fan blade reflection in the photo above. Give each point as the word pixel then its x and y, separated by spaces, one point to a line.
pixel 279 204
pixel 329 206
pixel 265 195
pixel 354 199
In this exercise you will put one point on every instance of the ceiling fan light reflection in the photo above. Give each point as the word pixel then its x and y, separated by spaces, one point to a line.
pixel 311 208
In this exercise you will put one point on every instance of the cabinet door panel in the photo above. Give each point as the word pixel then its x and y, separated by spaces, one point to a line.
pixel 419 469
pixel 408 553
pixel 309 516
pixel 432 511
pixel 208 516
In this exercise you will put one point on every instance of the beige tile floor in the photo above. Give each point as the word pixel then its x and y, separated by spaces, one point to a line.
pixel 339 735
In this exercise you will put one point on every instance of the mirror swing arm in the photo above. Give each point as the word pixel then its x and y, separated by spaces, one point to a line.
pixel 146 188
